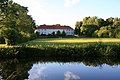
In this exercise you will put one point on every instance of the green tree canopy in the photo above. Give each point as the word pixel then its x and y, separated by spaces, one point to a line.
pixel 14 18
pixel 94 26
pixel 58 33
pixel 63 33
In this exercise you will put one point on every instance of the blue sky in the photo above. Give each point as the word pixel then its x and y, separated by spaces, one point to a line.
pixel 67 12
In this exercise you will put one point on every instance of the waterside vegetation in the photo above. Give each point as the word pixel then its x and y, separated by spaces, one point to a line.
pixel 63 47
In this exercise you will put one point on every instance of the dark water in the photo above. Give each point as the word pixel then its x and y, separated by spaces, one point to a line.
pixel 107 69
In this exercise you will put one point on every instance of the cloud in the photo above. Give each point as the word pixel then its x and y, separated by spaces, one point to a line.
pixel 36 9
pixel 70 3
pixel 70 76
pixel 1 77
pixel 43 13
pixel 36 73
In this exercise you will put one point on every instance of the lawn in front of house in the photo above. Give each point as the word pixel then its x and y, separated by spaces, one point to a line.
pixel 5 46
pixel 75 40
pixel 69 41
pixel 72 41
pixel 2 45
pixel 61 47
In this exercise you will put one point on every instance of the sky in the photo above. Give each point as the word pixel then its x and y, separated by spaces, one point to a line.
pixel 67 12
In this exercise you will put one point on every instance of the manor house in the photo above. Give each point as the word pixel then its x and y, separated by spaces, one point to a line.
pixel 49 29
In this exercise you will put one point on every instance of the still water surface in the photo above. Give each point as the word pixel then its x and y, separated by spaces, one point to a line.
pixel 73 71
pixel 84 69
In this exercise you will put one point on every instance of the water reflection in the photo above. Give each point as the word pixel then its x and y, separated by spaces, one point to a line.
pixel 36 73
pixel 77 71
pixel 60 69
pixel 71 76
pixel 0 77
pixel 14 69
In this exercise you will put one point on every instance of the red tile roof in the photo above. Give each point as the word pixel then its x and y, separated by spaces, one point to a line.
pixel 53 27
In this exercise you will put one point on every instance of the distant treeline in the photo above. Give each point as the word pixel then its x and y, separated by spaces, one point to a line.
pixel 16 25
pixel 98 27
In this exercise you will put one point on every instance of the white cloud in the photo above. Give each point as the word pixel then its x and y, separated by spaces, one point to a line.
pixel 70 76
pixel 70 3
pixel 43 14
pixel 36 73
pixel 1 78
pixel 40 12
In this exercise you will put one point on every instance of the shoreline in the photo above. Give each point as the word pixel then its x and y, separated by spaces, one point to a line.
pixel 88 50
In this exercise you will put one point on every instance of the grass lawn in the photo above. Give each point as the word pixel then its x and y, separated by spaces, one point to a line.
pixel 71 42
pixel 2 45
pixel 75 40
pixel 60 47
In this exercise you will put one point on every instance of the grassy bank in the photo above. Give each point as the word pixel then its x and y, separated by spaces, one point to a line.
pixel 64 47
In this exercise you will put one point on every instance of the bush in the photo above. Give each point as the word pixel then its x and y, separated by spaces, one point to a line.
pixel 10 35
pixel 2 40
pixel 73 51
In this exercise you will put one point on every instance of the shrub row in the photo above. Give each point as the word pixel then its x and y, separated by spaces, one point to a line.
pixel 89 51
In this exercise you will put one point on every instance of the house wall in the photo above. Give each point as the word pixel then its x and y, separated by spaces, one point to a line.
pixel 50 31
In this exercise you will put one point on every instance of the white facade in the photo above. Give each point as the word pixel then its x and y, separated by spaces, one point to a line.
pixel 50 31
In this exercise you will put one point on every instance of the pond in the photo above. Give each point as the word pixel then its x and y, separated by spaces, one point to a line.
pixel 73 71
pixel 59 70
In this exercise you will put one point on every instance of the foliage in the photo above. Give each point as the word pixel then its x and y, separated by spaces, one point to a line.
pixel 98 27
pixel 2 40
pixel 53 48
pixel 14 19
pixel 88 30
pixel 58 33
pixel 77 28
pixel 117 32
pixel 19 72
pixel 63 33
pixel 103 32
pixel 10 35
pixel 53 33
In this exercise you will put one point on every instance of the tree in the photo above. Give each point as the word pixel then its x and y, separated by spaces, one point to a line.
pixel 117 32
pixel 2 40
pixel 104 32
pixel 85 20
pixel 53 33
pixel 63 33
pixel 3 5
pixel 91 20
pixel 19 72
pixel 116 22
pixel 86 27
pixel 14 17
pixel 58 33
pixel 77 27
pixel 33 24
pixel 110 21
pixel 100 22
pixel 88 30
pixel 10 36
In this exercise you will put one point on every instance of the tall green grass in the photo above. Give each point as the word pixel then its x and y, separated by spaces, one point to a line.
pixel 95 50
pixel 50 48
